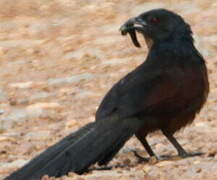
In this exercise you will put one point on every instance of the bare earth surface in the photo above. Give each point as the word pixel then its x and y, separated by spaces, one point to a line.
pixel 59 57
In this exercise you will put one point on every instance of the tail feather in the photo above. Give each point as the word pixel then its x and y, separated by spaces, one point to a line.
pixel 42 159
pixel 108 156
pixel 95 142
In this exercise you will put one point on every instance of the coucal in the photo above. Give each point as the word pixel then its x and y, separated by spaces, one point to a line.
pixel 164 93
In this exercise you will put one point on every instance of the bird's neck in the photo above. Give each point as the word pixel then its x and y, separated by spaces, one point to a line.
pixel 178 48
pixel 181 40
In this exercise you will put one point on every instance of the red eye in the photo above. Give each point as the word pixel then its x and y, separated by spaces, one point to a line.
pixel 154 20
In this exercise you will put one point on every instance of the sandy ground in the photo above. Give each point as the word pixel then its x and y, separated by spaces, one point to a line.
pixel 59 57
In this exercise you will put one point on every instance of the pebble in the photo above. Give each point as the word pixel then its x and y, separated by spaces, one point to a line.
pixel 71 79
pixel 1 111
pixel 22 85
pixel 16 163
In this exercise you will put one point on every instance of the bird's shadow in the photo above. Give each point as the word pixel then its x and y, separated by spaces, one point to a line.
pixel 149 160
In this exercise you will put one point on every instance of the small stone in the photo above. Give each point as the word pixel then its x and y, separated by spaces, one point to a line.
pixel 146 169
pixel 45 105
pixel 3 138
pixel 197 162
pixel 16 163
pixel 153 160
pixel 39 135
pixel 164 163
pixel 71 123
pixel 1 111
pixel 12 101
pixel 22 85
pixel 198 170
pixel 71 79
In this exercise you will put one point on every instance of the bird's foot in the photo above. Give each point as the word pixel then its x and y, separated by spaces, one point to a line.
pixel 192 154
pixel 140 158
pixel 104 168
pixel 152 159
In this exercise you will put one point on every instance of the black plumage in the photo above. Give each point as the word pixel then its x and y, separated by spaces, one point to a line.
pixel 164 93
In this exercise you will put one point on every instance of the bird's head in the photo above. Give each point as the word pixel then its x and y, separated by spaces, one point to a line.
pixel 157 25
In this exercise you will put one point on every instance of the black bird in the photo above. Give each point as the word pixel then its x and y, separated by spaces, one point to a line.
pixel 164 93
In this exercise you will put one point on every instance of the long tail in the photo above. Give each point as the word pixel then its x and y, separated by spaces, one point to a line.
pixel 95 142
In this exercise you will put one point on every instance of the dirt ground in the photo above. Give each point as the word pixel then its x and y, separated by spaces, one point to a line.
pixel 59 57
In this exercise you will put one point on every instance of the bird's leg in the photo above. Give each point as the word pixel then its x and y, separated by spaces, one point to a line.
pixel 147 147
pixel 181 152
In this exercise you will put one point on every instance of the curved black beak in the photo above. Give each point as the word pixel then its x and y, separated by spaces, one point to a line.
pixel 131 26
pixel 127 26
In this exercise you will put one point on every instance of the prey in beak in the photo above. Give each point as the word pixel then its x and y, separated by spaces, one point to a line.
pixel 133 25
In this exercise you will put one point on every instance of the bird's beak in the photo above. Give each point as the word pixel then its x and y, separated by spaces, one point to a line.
pixel 127 26
pixel 139 23
pixel 131 26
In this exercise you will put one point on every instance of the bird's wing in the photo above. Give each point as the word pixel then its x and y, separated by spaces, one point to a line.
pixel 141 91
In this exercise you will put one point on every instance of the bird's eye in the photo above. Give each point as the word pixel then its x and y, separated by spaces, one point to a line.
pixel 154 20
